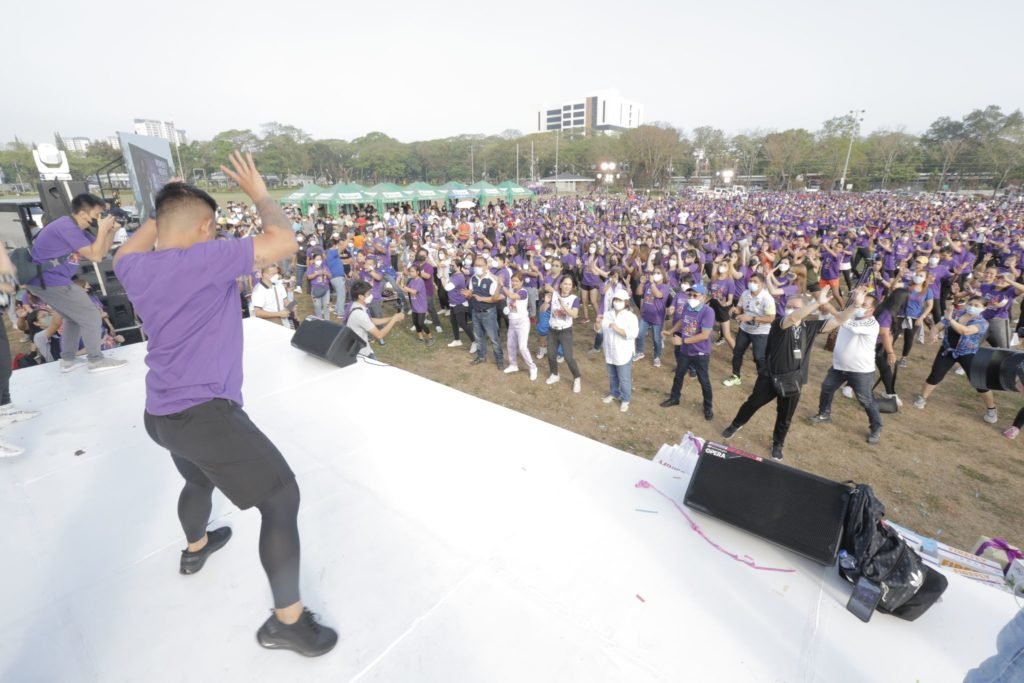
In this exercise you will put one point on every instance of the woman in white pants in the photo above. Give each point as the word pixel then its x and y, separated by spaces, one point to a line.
pixel 518 325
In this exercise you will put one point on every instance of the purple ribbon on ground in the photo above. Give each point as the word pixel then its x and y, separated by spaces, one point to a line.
pixel 1004 545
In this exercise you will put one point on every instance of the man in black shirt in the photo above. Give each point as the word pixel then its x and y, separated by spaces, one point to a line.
pixel 784 371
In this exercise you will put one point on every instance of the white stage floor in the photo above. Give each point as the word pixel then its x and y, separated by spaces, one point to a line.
pixel 484 547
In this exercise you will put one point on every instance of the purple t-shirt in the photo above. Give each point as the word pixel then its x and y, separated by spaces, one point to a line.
pixel 193 317
pixel 419 299
pixel 695 322
pixel 56 240
pixel 653 309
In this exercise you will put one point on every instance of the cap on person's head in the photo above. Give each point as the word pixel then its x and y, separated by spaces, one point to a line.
pixel 922 259
pixel 699 289
pixel 620 294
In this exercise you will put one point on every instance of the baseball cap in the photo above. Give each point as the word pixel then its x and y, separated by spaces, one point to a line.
pixel 699 289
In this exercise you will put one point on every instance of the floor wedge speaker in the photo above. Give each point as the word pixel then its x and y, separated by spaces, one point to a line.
pixel 786 506
pixel 332 342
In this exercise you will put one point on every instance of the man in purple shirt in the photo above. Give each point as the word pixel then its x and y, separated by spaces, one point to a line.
pixel 185 291
pixel 58 249
pixel 691 337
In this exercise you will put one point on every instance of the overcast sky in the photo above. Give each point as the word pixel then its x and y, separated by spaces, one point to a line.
pixel 420 70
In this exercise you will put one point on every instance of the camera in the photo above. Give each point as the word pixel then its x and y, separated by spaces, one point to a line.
pixel 996 369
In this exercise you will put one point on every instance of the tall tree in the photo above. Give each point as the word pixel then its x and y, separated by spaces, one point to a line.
pixel 787 153
pixel 945 140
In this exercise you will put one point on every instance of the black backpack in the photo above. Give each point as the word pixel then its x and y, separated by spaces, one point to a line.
pixel 26 270
pixel 909 587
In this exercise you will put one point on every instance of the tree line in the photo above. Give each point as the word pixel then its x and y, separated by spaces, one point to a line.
pixel 984 148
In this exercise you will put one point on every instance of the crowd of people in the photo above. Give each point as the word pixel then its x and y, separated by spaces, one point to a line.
pixel 695 274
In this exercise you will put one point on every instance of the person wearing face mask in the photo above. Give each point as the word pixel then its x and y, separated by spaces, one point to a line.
pixel 360 321
pixel 964 331
pixel 455 284
pixel 518 325
pixel 58 250
pixel 787 360
pixel 999 291
pixel 619 327
pixel 270 299
pixel 919 307
pixel 594 275
pixel 565 307
pixel 483 294
pixel 691 338
pixel 655 294
pixel 318 279
pixel 723 292
pixel 755 312
pixel 853 363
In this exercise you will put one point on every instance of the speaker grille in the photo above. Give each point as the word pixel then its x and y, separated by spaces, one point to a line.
pixel 792 508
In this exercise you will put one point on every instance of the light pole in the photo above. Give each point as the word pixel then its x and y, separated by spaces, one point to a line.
pixel 855 116
pixel 472 166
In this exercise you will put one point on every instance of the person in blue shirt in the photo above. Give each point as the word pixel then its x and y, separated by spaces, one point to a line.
pixel 337 269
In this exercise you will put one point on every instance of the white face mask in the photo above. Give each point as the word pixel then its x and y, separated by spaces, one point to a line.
pixel 665 252
pixel 656 277
pixel 694 303
pixel 753 287
pixel 275 279
pixel 685 286
pixel 619 304
pixel 723 269
pixel 673 263
pixel 918 279
pixel 479 270
pixel 318 263
pixel 783 267
pixel 368 299
pixel 789 312
pixel 933 262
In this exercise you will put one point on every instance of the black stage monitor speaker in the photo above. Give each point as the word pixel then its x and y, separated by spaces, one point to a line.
pixel 332 342
pixel 995 369
pixel 121 311
pixel 781 504
pixel 56 196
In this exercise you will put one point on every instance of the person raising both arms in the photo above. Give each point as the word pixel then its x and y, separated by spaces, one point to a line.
pixel 185 291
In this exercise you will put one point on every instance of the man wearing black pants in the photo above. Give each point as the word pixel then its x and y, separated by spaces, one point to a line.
pixel 186 293
pixel 784 372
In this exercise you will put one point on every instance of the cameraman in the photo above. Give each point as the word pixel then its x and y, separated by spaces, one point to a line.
pixel 58 249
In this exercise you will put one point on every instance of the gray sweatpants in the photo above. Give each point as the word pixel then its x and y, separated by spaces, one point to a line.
pixel 81 319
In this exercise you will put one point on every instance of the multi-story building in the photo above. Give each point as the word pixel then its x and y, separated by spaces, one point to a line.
pixel 604 112
pixel 76 144
pixel 113 141
pixel 160 129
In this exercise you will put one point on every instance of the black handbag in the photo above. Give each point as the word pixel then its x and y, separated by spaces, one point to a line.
pixel 787 384
pixel 909 587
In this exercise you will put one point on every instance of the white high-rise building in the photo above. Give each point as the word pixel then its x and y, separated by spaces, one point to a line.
pixel 76 144
pixel 605 111
pixel 113 141
pixel 160 129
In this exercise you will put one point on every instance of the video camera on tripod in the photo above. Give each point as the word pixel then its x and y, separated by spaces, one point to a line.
pixel 997 369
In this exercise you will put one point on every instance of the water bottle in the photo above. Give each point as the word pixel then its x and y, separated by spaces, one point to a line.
pixel 847 562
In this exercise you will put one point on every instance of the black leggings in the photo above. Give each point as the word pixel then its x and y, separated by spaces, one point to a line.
pixel 944 363
pixel 460 319
pixel 1018 421
pixel 418 320
pixel 563 337
pixel 908 335
pixel 885 370
pixel 279 531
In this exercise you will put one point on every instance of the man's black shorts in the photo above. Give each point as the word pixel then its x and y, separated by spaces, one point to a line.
pixel 219 440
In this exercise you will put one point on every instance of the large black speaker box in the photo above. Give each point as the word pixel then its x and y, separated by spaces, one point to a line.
pixel 56 196
pixel 995 369
pixel 329 341
pixel 121 311
pixel 786 506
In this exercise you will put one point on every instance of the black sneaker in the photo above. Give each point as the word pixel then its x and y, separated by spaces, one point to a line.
pixel 874 436
pixel 477 361
pixel 669 402
pixel 306 636
pixel 776 452
pixel 215 540
pixel 731 430
pixel 709 414
pixel 820 419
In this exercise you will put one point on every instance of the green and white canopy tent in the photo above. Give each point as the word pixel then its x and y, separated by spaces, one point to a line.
pixel 423 192
pixel 387 193
pixel 515 191
pixel 487 192
pixel 303 197
pixel 457 191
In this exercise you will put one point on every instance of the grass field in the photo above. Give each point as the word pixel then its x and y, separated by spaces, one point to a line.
pixel 941 471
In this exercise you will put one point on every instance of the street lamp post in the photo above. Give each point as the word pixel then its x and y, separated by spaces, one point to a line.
pixel 856 116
